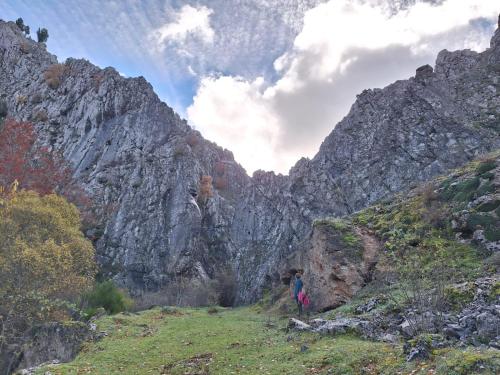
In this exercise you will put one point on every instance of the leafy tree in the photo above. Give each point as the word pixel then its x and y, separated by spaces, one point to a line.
pixel 34 167
pixel 45 261
pixel 42 35
pixel 27 30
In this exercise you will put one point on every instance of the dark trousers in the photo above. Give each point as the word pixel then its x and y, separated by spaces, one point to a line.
pixel 299 305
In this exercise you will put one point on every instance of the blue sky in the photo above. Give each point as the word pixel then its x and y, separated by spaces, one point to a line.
pixel 268 79
pixel 116 33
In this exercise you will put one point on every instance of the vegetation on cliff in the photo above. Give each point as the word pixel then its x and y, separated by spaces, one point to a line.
pixel 45 263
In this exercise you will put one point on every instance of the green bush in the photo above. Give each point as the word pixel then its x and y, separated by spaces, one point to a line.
pixel 335 223
pixel 458 297
pixel 489 206
pixel 487 176
pixel 492 233
pixel 108 296
pixel 486 166
pixel 42 35
pixel 461 191
pixel 484 221
pixel 485 189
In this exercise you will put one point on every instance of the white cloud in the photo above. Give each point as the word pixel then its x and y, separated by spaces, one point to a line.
pixel 344 47
pixel 189 21
pixel 245 119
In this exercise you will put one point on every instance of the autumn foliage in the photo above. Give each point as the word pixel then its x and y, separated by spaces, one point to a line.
pixel 206 189
pixel 42 248
pixel 45 262
pixel 54 75
pixel 34 167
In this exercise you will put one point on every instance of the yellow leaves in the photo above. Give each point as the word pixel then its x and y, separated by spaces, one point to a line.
pixel 42 247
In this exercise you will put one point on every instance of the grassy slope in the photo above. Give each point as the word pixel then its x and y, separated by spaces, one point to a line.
pixel 241 341
pixel 418 228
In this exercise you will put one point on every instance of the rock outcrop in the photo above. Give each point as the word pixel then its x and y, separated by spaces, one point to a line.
pixel 143 164
pixel 51 341
pixel 336 262
pixel 476 324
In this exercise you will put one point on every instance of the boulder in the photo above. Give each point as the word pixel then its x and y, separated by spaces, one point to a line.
pixel 336 263
pixel 298 325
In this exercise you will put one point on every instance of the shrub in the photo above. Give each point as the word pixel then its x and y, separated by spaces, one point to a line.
pixel 489 206
pixel 24 28
pixel 225 288
pixel 458 297
pixel 42 249
pixel 480 220
pixel 20 24
pixel 179 151
pixel 462 191
pixel 41 116
pixel 37 99
pixel 42 35
pixel 495 291
pixel 21 99
pixel 54 75
pixel 45 261
pixel 33 167
pixel 350 239
pixel 335 223
pixel 3 109
pixel 428 194
pixel 205 190
pixel 437 216
pixel 485 166
pixel 492 233
pixel 485 188
pixel 487 176
pixel 109 297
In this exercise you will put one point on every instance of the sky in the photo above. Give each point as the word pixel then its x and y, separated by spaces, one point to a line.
pixel 267 79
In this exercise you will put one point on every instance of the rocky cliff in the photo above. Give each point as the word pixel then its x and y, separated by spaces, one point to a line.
pixel 143 164
pixel 335 264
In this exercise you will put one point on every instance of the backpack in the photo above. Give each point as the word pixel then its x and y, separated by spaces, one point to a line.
pixel 304 299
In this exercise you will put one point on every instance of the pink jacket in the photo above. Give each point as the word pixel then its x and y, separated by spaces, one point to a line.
pixel 304 299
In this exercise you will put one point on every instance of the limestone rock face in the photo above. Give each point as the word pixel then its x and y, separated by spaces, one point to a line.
pixel 335 263
pixel 143 163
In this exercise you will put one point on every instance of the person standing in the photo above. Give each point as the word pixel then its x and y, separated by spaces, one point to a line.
pixel 297 289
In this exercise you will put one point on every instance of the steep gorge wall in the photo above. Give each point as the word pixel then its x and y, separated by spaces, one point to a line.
pixel 143 163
